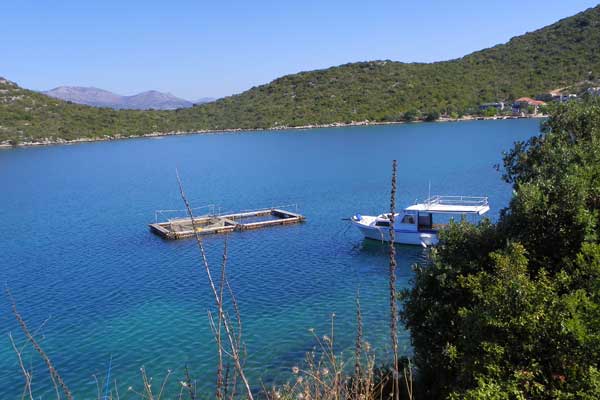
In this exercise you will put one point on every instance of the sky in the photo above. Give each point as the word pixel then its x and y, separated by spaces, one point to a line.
pixel 202 48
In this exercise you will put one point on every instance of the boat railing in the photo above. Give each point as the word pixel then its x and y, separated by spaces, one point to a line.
pixel 457 201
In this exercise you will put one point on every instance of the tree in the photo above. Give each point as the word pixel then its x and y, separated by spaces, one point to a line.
pixel 410 115
pixel 490 112
pixel 432 115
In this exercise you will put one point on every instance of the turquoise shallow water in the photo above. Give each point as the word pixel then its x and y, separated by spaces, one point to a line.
pixel 76 249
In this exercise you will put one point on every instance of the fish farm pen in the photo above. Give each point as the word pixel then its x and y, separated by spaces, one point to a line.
pixel 181 228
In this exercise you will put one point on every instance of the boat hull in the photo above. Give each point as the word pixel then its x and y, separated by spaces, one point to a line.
pixel 416 238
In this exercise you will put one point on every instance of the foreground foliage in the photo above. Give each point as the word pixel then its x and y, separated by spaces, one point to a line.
pixel 557 56
pixel 512 310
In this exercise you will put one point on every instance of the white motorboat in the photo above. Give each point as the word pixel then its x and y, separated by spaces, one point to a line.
pixel 415 224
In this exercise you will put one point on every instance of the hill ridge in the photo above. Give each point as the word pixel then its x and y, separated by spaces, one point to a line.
pixel 93 96
pixel 558 55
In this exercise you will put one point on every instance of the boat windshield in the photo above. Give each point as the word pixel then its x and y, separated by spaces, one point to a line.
pixel 408 219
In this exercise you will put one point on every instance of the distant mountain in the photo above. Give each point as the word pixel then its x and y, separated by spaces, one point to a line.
pixel 204 100
pixel 102 98
pixel 155 100
pixel 86 95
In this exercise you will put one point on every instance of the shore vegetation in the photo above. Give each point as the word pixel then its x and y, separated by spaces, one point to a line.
pixel 511 310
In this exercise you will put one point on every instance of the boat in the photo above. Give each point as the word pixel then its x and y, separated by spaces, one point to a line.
pixel 415 224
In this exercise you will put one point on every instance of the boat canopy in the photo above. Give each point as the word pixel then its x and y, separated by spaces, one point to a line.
pixel 452 205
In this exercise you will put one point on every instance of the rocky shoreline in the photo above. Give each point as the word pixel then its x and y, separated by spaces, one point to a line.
pixel 49 142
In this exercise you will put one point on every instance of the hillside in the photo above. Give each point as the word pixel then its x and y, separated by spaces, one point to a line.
pixel 91 96
pixel 26 115
pixel 556 56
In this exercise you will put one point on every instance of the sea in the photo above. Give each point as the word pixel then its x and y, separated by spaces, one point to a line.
pixel 97 288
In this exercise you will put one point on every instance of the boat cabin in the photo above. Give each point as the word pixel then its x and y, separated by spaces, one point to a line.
pixel 419 217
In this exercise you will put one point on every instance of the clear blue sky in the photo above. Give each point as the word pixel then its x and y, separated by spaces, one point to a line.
pixel 215 48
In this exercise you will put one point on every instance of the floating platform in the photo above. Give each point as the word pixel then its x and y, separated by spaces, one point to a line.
pixel 181 228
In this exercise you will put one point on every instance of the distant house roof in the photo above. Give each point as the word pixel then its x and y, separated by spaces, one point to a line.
pixel 530 101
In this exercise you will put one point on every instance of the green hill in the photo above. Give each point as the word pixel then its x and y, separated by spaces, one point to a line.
pixel 559 55
pixel 26 115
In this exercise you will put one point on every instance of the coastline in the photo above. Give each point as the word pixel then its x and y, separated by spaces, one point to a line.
pixel 48 142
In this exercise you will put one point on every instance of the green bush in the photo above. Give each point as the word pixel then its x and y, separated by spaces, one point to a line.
pixel 512 310
pixel 432 116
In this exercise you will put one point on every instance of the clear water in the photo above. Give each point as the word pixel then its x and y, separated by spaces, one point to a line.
pixel 75 247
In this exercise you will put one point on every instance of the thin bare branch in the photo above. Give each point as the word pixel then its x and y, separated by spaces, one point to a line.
pixel 226 323
pixel 164 383
pixel 117 390
pixel 392 285
pixel 147 384
pixel 26 373
pixel 98 396
pixel 188 384
pixel 408 380
pixel 56 378
pixel 358 348
pixel 219 388
pixel 236 311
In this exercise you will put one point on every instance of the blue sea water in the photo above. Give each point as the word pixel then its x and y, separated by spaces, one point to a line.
pixel 94 283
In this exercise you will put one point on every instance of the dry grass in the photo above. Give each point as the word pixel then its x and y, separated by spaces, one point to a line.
pixel 325 375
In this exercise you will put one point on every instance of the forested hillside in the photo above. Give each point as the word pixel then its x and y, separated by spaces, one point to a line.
pixel 560 55
pixel 553 57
